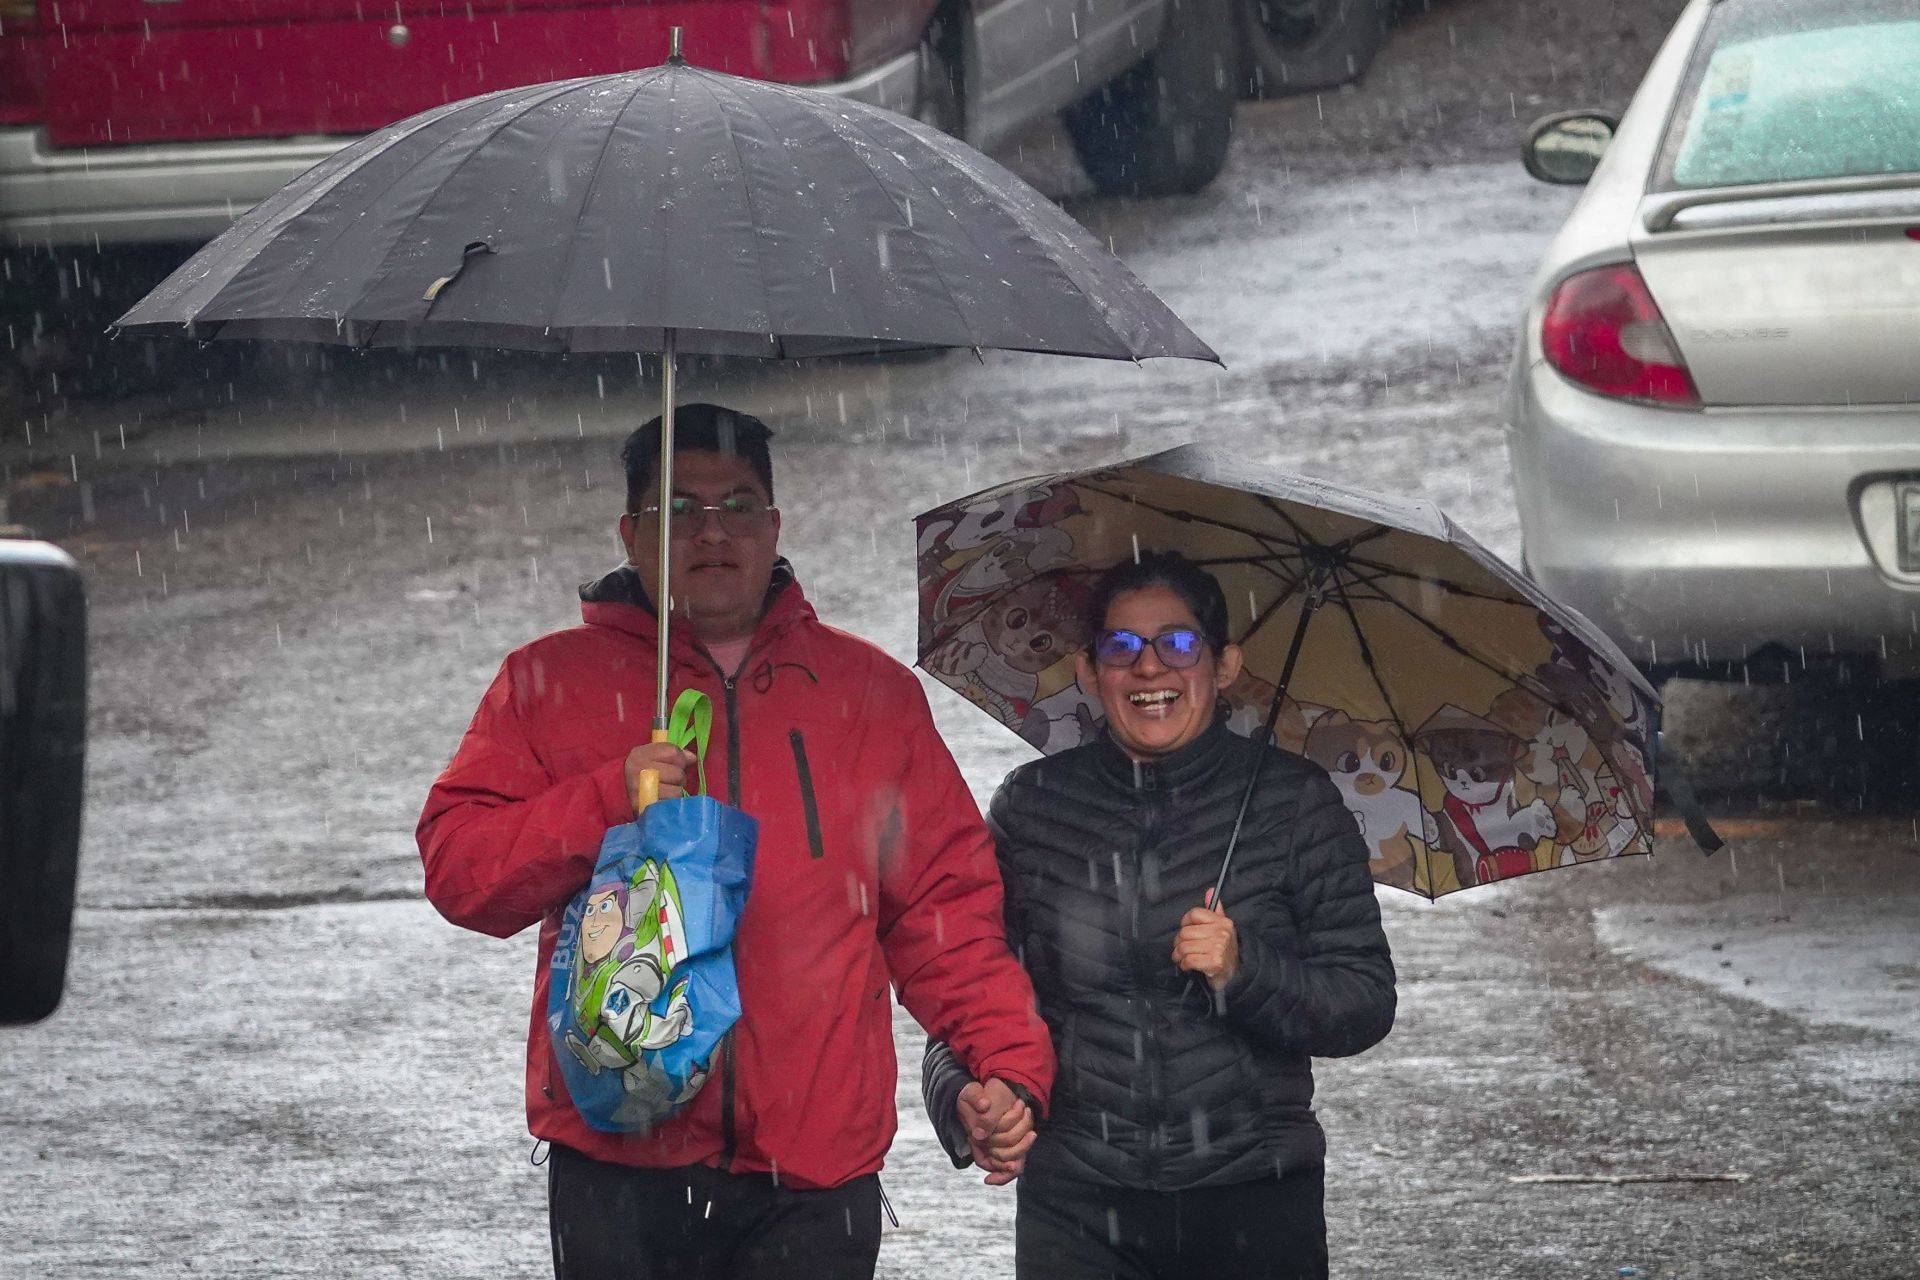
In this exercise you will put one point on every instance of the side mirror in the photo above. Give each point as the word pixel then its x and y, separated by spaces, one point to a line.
pixel 43 736
pixel 1565 148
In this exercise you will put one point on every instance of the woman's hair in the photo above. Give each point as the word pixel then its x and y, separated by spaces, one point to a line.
pixel 1197 589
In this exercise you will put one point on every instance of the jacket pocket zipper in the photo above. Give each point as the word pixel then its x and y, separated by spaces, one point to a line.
pixel 729 1136
pixel 807 800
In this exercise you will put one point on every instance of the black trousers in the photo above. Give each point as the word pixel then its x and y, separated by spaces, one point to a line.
pixel 1268 1229
pixel 613 1222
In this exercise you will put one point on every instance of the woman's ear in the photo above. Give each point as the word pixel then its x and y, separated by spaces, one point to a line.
pixel 1084 675
pixel 1227 669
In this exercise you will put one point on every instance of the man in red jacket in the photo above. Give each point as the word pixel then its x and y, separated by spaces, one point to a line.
pixel 873 868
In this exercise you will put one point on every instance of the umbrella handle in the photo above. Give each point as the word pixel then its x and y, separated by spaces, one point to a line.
pixel 646 787
pixel 688 728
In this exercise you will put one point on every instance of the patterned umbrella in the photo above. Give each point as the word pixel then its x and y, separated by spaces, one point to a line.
pixel 1478 729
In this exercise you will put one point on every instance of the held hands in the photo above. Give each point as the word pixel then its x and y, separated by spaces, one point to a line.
pixel 1207 945
pixel 999 1129
pixel 665 759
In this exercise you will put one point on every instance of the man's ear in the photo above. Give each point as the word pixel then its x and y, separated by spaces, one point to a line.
pixel 1084 675
pixel 626 526
pixel 1227 669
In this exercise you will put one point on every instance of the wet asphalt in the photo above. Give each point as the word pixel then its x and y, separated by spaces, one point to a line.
pixel 274 1059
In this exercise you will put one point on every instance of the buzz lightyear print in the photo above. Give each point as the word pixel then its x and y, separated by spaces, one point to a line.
pixel 630 942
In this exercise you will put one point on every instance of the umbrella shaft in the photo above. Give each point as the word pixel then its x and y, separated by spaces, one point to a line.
pixel 663 607
pixel 1273 717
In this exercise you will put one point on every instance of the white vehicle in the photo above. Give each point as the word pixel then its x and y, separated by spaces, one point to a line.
pixel 1714 410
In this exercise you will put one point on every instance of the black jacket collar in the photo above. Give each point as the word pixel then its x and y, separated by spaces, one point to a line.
pixel 1176 769
pixel 622 586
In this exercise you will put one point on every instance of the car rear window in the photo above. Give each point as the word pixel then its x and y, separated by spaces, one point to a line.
pixel 1781 92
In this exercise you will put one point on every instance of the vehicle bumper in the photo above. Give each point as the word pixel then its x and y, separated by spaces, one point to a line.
pixel 191 192
pixel 1699 538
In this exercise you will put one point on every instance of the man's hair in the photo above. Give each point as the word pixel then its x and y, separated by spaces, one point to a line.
pixel 707 428
pixel 1197 589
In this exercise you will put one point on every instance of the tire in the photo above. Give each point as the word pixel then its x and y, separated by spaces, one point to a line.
pixel 942 97
pixel 1297 46
pixel 1867 744
pixel 1162 127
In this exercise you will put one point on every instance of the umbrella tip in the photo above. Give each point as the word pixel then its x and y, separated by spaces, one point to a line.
pixel 673 46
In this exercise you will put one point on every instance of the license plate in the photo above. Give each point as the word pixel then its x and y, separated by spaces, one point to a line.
pixel 1907 500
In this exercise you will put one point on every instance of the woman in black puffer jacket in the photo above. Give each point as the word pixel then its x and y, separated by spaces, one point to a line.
pixel 1180 1140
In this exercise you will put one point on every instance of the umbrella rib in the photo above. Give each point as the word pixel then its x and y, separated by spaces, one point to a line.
pixel 1262 560
pixel 1386 700
pixel 1072 259
pixel 1032 228
pixel 1452 642
pixel 1374 534
pixel 772 132
pixel 593 185
pixel 746 189
pixel 386 268
pixel 1266 540
pixel 1272 504
pixel 932 262
pixel 954 622
pixel 269 227
pixel 1266 614
pixel 1445 584
pixel 1526 681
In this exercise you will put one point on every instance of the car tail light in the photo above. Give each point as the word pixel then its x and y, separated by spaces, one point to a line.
pixel 1603 331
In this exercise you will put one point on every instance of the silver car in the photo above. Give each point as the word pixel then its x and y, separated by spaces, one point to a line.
pixel 1714 411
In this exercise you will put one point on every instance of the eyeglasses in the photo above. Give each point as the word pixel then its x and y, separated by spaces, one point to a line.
pixel 741 515
pixel 1178 649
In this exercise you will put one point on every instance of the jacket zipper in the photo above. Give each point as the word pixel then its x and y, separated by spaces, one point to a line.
pixel 729 1137
pixel 807 801
pixel 1144 1015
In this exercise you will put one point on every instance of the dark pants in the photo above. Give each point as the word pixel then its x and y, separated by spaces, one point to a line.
pixel 612 1222
pixel 1269 1229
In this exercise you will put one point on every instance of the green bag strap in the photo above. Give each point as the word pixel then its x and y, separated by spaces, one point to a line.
pixel 690 727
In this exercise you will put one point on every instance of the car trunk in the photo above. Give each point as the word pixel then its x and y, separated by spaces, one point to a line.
pixel 132 71
pixel 1811 299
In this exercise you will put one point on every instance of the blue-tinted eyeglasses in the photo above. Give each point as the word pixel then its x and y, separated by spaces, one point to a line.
pixel 1178 649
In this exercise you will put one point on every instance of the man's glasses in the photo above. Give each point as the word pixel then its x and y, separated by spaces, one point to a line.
pixel 741 515
pixel 1178 649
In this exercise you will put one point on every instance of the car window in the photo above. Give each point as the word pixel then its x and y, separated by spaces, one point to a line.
pixel 1784 92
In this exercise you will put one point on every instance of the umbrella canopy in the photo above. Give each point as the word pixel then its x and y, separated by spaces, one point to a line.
pixel 1478 729
pixel 671 210
pixel 601 214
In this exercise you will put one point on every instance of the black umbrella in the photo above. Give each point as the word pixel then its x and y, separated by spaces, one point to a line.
pixel 670 210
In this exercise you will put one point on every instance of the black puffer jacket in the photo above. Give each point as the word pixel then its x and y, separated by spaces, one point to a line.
pixel 1160 1087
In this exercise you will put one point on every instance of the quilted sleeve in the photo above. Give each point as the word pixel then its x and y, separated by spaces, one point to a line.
pixel 1336 997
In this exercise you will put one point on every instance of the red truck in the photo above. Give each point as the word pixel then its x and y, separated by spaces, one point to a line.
pixel 140 121
pixel 152 124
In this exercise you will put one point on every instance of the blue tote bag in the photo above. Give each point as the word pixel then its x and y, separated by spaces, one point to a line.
pixel 642 985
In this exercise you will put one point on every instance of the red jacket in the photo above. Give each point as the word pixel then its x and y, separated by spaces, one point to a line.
pixel 873 868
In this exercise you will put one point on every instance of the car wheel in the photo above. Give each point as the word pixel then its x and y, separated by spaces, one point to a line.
pixel 1296 46
pixel 1879 746
pixel 1162 127
pixel 1847 740
pixel 941 100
